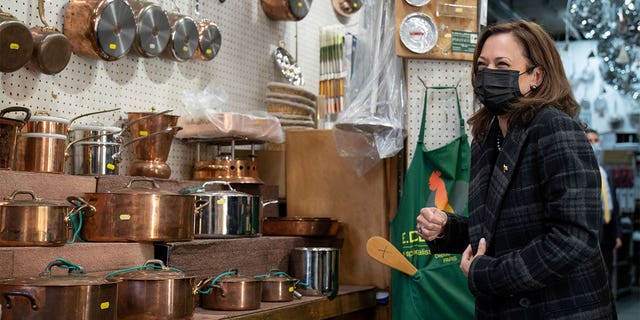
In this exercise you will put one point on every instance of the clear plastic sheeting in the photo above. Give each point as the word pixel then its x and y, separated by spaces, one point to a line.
pixel 371 128
pixel 209 116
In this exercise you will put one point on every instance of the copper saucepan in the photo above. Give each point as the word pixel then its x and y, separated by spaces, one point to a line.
pixel 209 38
pixel 286 9
pixel 51 48
pixel 153 29
pixel 102 29
pixel 17 43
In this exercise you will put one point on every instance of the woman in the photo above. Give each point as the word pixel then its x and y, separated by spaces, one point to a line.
pixel 530 245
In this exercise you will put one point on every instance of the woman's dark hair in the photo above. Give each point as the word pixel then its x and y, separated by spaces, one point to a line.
pixel 541 52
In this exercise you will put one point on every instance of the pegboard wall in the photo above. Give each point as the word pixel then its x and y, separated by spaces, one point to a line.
pixel 441 116
pixel 242 68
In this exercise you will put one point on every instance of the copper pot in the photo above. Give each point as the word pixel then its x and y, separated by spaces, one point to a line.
pixel 103 29
pixel 230 291
pixel 286 9
pixel 51 48
pixel 40 152
pixel 153 29
pixel 279 287
pixel 42 122
pixel 9 130
pixel 168 293
pixel 297 226
pixel 184 38
pixel 75 296
pixel 17 43
pixel 32 222
pixel 136 213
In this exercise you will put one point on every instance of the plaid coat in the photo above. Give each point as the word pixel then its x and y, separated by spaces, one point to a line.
pixel 537 203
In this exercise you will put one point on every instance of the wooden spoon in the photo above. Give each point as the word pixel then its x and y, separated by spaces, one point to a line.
pixel 383 251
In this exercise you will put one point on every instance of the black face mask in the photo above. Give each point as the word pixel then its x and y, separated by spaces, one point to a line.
pixel 497 89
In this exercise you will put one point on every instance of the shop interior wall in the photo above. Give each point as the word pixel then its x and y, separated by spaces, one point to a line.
pixel 242 69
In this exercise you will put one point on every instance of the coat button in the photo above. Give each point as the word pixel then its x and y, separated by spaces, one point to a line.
pixel 525 302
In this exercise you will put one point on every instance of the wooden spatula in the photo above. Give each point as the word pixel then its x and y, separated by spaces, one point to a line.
pixel 383 251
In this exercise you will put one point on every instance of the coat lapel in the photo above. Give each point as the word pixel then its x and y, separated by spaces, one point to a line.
pixel 495 181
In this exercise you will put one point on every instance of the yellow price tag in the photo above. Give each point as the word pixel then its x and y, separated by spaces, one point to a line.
pixel 143 133
pixel 111 166
pixel 459 10
pixel 299 4
pixel 14 46
pixel 185 48
pixel 209 51
pixel 105 305
pixel 447 35
pixel 220 201
pixel 125 217
pixel 291 289
pixel 113 46
pixel 259 121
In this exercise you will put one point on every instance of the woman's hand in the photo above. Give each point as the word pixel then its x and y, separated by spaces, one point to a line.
pixel 431 223
pixel 468 256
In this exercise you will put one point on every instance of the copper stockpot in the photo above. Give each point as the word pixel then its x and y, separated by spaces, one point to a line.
pixel 32 222
pixel 76 296
pixel 103 29
pixel 51 48
pixel 139 214
pixel 16 43
pixel 279 287
pixel 40 152
pixel 9 130
pixel 286 9
pixel 154 291
pixel 153 29
pixel 230 291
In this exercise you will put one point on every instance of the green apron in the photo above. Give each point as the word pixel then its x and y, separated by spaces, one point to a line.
pixel 436 178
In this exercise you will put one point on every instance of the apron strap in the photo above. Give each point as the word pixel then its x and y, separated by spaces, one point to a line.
pixel 424 110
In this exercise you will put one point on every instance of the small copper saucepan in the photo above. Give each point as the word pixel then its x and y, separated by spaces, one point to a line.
pixel 153 29
pixel 17 43
pixel 209 38
pixel 51 48
pixel 183 41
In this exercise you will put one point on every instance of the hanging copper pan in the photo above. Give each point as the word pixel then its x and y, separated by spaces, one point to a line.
pixel 102 29
pixel 209 38
pixel 183 41
pixel 153 29
pixel 16 43
pixel 286 9
pixel 51 48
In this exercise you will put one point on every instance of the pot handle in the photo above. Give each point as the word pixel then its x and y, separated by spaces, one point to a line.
pixel 159 262
pixel 201 204
pixel 66 149
pixel 212 282
pixel 12 197
pixel 116 156
pixel 62 263
pixel 270 202
pixel 80 204
pixel 224 183
pixel 8 294
pixel 91 113
pixel 153 182
pixel 27 112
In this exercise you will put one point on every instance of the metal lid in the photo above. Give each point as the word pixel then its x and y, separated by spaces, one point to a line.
pixel 185 38
pixel 299 8
pixel 202 190
pixel 95 127
pixel 418 3
pixel 42 135
pixel 418 32
pixel 153 30
pixel 34 201
pixel 210 41
pixel 116 28
pixel 151 270
pixel 237 278
pixel 75 277
pixel 17 44
pixel 37 117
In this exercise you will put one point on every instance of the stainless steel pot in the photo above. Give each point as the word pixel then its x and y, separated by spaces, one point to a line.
pixel 32 222
pixel 75 296
pixel 318 268
pixel 17 43
pixel 229 213
pixel 9 130
pixel 230 291
pixel 139 214
pixel 94 147
pixel 168 293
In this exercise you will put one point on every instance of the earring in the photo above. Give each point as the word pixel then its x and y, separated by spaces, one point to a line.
pixel 533 87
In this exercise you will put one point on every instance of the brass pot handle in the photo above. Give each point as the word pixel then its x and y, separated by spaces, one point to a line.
pixel 12 197
pixel 91 113
pixel 27 112
pixel 34 303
